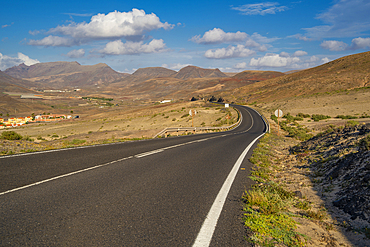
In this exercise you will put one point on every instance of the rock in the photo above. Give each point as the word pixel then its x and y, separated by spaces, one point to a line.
pixel 298 194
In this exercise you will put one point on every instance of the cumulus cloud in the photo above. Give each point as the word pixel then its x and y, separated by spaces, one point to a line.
pixel 343 19
pixel 54 41
pixel 76 53
pixel 262 39
pixel 286 61
pixel 7 62
pixel 132 25
pixel 273 60
pixel 130 48
pixel 284 54
pixel 242 65
pixel 313 59
pixel 360 43
pixel 176 66
pixel 253 44
pixel 229 52
pixel 218 36
pixel 114 25
pixel 325 60
pixel 260 8
pixel 299 54
pixel 334 45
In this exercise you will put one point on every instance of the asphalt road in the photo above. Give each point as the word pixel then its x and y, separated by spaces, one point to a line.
pixel 143 193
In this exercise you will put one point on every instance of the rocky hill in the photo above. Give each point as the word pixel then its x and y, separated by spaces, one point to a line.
pixel 190 72
pixel 56 75
pixel 10 84
pixel 342 74
pixel 144 74
pixel 257 75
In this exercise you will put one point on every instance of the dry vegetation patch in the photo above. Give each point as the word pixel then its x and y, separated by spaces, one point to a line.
pixel 118 125
pixel 289 206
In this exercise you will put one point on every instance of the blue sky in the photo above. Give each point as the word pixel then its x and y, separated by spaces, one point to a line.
pixel 230 35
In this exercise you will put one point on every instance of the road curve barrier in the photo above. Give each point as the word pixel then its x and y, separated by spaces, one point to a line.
pixel 195 129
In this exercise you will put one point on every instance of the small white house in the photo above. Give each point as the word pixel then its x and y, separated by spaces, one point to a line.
pixel 166 101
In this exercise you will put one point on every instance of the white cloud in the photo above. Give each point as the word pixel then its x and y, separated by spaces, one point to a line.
pixel 300 37
pixel 274 60
pixel 357 43
pixel 7 62
pixel 299 53
pixel 284 54
pixel 285 61
pixel 334 45
pixel 229 52
pixel 114 25
pixel 360 43
pixel 346 18
pixel 76 53
pixel 325 60
pixel 129 48
pixel 35 32
pixel 176 66
pixel 218 36
pixel 313 59
pixel 253 44
pixel 260 8
pixel 53 41
pixel 242 65
pixel 262 39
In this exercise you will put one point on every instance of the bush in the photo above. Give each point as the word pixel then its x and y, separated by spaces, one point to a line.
pixel 318 117
pixel 290 118
pixel 302 115
pixel 10 135
pixel 346 117
pixel 364 143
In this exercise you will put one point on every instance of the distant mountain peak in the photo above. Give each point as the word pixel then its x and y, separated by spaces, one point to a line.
pixel 191 71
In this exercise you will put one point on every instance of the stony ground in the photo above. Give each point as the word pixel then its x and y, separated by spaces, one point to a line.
pixel 330 173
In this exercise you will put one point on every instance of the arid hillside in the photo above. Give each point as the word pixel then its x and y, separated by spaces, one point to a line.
pixel 11 84
pixel 60 75
pixel 191 81
pixel 257 75
pixel 196 72
pixel 342 74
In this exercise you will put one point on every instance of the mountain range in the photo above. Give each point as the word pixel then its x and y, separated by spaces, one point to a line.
pixel 345 73
pixel 155 83
pixel 60 75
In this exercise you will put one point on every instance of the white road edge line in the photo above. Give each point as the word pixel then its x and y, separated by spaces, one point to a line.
pixel 149 153
pixel 209 225
pixel 62 176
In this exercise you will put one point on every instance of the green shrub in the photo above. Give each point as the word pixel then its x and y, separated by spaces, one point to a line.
pixel 10 135
pixel 346 117
pixel 318 117
pixel 290 118
pixel 302 115
pixel 364 143
pixel 352 123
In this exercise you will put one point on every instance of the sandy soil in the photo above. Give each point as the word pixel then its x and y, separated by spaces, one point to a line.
pixel 355 103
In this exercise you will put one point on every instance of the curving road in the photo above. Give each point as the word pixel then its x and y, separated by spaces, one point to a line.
pixel 160 192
